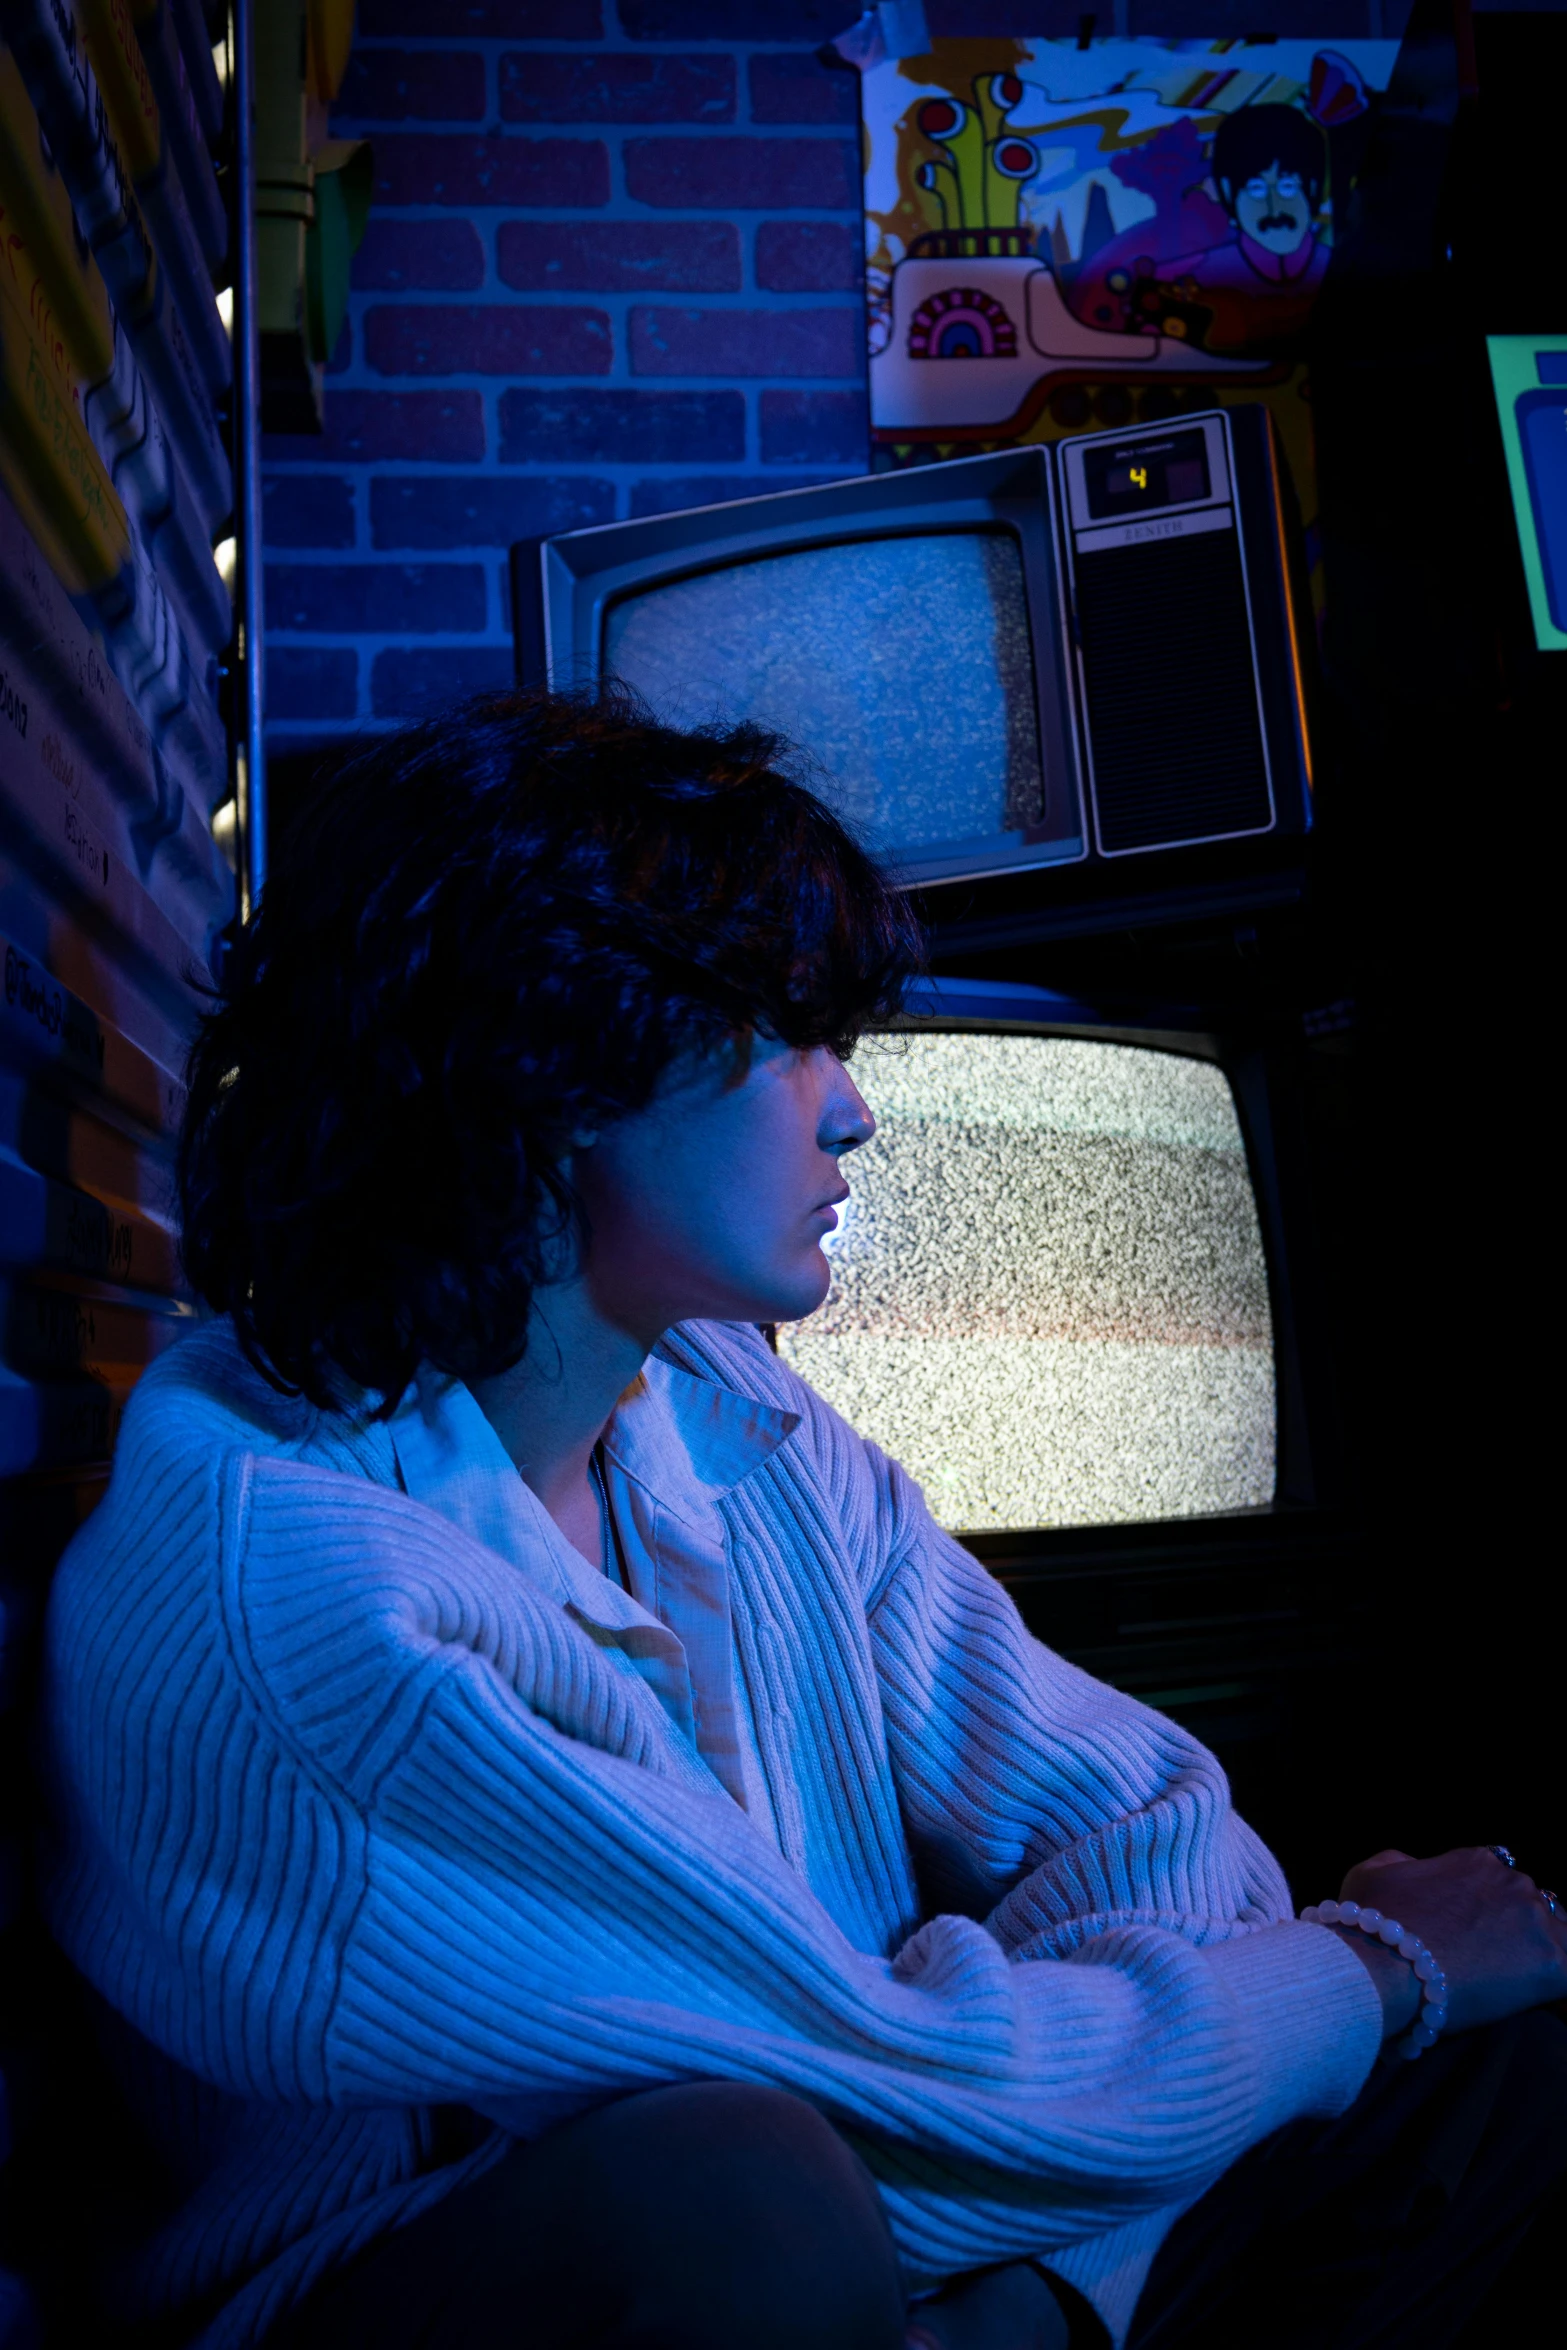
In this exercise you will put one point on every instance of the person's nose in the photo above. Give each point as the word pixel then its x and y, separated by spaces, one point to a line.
pixel 847 1118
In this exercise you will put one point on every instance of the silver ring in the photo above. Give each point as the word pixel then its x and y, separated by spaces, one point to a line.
pixel 1503 1855
pixel 1552 1901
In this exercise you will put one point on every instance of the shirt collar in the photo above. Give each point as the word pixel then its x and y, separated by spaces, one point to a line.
pixel 688 1442
pixel 450 1459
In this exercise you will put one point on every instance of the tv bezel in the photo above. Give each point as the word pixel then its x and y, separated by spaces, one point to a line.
pixel 582 573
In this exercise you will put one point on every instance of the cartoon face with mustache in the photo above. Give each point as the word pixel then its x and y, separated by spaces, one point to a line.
pixel 1270 172
pixel 1252 285
pixel 1272 208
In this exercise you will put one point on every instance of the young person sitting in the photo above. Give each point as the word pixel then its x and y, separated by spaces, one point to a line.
pixel 566 1850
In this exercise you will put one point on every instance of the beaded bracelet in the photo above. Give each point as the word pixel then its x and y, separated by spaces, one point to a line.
pixel 1433 1983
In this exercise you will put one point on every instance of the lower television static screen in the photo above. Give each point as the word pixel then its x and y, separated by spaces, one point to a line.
pixel 1049 1296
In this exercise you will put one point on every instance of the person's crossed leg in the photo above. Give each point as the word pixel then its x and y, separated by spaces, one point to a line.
pixel 710 2217
pixel 697 2218
pixel 718 2215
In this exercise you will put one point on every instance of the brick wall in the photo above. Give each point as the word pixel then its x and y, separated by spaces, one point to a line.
pixel 612 268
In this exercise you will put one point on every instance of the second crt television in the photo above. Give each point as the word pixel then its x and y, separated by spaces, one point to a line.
pixel 1046 656
pixel 1051 1298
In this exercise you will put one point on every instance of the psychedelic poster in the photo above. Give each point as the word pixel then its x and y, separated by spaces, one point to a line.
pixel 1063 237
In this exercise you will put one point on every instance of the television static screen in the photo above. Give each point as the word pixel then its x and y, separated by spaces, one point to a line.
pixel 1049 1299
pixel 901 665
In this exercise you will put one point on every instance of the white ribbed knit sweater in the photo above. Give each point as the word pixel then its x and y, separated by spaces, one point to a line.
pixel 360 1825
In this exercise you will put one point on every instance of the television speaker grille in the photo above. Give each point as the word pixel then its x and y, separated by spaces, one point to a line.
pixel 1170 692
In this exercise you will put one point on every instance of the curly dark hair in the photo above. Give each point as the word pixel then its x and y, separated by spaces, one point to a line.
pixel 488 931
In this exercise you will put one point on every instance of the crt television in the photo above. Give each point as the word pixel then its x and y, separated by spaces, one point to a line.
pixel 1060 1287
pixel 1075 1292
pixel 1046 656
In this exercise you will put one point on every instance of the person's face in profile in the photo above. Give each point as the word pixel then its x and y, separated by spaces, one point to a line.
pixel 713 1202
pixel 1274 209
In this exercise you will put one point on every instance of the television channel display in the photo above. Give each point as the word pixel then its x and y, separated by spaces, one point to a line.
pixel 1049 1297
pixel 1143 476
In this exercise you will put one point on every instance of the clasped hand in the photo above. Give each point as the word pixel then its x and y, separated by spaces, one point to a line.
pixel 1502 1948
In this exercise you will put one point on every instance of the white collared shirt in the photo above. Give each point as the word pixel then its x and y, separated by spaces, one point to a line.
pixel 671 1627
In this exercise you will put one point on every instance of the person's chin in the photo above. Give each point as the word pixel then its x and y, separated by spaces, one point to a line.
pixel 802 1293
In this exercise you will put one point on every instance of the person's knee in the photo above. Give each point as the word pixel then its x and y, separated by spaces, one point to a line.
pixel 766 2224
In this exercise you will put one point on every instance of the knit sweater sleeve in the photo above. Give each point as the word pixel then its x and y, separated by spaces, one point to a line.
pixel 553 1911
pixel 1034 1793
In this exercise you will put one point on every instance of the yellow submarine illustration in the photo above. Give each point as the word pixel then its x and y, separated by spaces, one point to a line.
pixel 979 333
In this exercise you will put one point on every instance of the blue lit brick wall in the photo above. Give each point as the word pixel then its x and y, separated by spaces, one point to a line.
pixel 612 268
